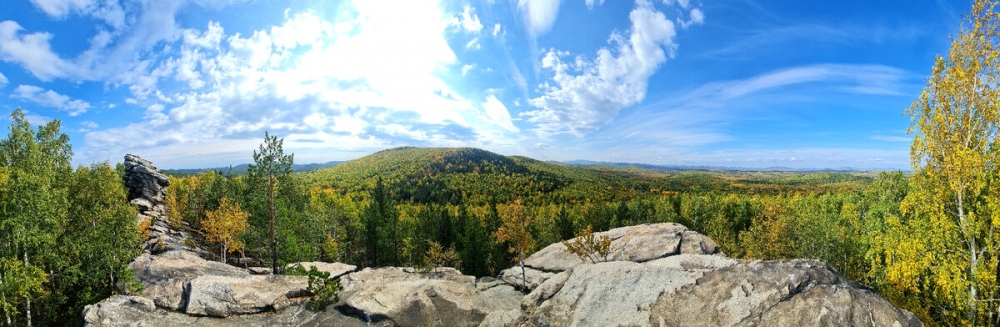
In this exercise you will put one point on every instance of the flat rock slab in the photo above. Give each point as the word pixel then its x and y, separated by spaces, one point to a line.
pixel 638 243
pixel 407 298
pixel 221 296
pixel 120 310
pixel 161 268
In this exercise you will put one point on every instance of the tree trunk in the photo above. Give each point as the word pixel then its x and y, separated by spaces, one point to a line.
pixel 524 276
pixel 223 254
pixel 270 192
pixel 3 301
pixel 27 302
pixel 973 260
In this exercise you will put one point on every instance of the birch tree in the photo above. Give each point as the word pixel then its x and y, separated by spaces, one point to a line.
pixel 954 153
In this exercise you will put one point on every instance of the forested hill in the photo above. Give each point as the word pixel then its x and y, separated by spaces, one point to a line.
pixel 476 177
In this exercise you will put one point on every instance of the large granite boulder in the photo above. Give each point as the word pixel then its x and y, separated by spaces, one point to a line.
pixel 183 281
pixel 221 296
pixel 700 290
pixel 444 297
pixel 166 277
pixel 638 243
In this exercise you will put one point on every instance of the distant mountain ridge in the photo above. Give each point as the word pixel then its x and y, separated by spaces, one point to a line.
pixel 242 169
pixel 678 168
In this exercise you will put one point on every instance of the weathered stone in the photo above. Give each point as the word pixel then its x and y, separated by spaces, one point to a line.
pixel 222 296
pixel 777 293
pixel 142 204
pixel 156 269
pixel 702 290
pixel 638 243
pixel 336 269
pixel 118 311
pixel 143 180
pixel 443 298
pixel 147 192
pixel 513 276
pixel 165 277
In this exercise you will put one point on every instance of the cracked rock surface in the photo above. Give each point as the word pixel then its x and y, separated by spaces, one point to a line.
pixel 702 290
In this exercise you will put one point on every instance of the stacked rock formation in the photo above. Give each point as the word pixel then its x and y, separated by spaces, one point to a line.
pixel 655 275
pixel 147 191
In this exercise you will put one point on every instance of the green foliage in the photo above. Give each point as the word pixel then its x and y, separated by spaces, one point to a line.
pixel 947 251
pixel 437 256
pixel 587 246
pixel 324 291
pixel 65 236
pixel 271 185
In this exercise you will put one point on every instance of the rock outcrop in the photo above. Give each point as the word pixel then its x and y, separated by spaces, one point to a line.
pixel 147 191
pixel 443 297
pixel 655 275
pixel 638 243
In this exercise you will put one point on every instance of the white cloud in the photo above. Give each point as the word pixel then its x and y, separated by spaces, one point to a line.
pixel 469 20
pixel 473 44
pixel 499 114
pixel 108 10
pixel 697 18
pixel 682 3
pixel 87 126
pixel 309 79
pixel 3 80
pixel 496 30
pixel 35 119
pixel 467 68
pixel 32 52
pixel 62 8
pixel 539 15
pixel 861 79
pixel 585 94
pixel 590 3
pixel 50 98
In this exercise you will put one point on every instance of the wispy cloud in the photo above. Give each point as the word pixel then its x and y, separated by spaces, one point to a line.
pixel 892 138
pixel 848 78
pixel 685 126
pixel 751 42
pixel 51 99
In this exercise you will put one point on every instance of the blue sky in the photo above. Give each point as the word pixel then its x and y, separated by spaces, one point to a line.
pixel 741 83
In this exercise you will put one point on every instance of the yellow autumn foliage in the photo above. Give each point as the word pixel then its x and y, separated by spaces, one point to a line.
pixel 225 226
